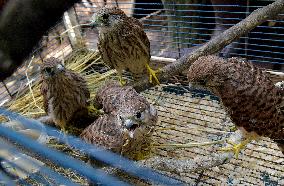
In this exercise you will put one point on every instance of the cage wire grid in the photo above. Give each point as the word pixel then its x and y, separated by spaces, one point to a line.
pixel 191 115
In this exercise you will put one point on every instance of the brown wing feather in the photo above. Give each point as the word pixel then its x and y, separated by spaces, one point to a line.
pixel 133 29
pixel 138 29
pixel 113 97
pixel 104 132
pixel 43 90
pixel 81 82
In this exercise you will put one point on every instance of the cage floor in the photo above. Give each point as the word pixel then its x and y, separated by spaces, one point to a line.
pixel 198 117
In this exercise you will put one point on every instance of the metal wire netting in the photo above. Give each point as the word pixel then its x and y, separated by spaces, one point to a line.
pixel 174 29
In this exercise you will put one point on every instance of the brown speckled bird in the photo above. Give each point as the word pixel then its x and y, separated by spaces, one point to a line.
pixel 123 44
pixel 112 97
pixel 65 93
pixel 253 102
pixel 128 124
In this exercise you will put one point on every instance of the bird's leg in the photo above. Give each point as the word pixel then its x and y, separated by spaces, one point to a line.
pixel 62 125
pixel 236 148
pixel 152 74
pixel 91 109
pixel 63 129
pixel 65 133
pixel 121 81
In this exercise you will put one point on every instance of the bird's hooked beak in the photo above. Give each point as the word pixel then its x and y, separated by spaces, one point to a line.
pixel 131 125
pixel 52 71
pixel 60 68
pixel 95 22
pixel 99 20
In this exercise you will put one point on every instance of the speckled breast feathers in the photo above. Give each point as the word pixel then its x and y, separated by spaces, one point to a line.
pixel 249 96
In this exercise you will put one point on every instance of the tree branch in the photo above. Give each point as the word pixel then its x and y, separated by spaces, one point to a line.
pixel 178 166
pixel 217 43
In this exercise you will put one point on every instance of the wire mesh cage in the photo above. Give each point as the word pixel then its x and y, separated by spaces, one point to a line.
pixel 186 115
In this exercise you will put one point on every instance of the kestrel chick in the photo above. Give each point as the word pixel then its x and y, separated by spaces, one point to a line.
pixel 123 44
pixel 65 93
pixel 113 97
pixel 251 99
pixel 127 127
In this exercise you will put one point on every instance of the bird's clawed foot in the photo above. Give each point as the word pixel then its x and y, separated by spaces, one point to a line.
pixel 153 74
pixel 236 148
pixel 121 81
pixel 65 134
pixel 93 111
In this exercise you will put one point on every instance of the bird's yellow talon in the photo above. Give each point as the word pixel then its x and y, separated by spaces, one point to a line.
pixel 121 81
pixel 233 128
pixel 236 148
pixel 64 130
pixel 153 74
pixel 92 110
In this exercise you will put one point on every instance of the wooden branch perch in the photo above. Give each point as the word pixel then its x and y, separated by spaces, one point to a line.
pixel 178 166
pixel 216 44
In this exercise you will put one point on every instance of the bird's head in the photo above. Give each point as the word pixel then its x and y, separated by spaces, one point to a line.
pixel 138 120
pixel 52 67
pixel 107 17
pixel 204 73
pixel 280 85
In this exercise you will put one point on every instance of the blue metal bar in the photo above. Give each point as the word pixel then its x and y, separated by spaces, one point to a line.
pixel 59 179
pixel 33 176
pixel 60 158
pixel 93 150
pixel 4 179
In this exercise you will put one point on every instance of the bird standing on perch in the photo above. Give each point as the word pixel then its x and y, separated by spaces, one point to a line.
pixel 123 44
pixel 253 102
pixel 128 124
pixel 65 93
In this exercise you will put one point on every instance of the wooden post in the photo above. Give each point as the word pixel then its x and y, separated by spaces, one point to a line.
pixel 74 34
pixel 7 89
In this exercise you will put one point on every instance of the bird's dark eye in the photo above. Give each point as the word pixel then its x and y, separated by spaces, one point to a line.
pixel 120 118
pixel 48 70
pixel 105 16
pixel 138 115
